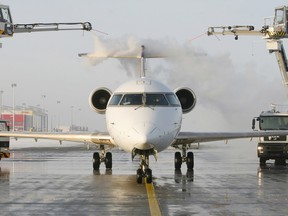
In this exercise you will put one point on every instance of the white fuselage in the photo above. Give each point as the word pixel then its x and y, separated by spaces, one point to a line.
pixel 143 124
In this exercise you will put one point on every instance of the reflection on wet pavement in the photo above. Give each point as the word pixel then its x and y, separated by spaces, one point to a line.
pixel 226 180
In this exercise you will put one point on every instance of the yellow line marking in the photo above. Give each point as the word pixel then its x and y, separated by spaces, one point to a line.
pixel 152 199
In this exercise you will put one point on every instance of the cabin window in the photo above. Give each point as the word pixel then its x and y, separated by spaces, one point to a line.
pixel 115 99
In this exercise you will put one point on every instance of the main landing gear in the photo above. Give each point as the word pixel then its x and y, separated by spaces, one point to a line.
pixel 189 159
pixel 102 157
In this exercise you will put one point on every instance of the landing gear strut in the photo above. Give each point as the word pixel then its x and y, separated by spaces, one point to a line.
pixel 144 171
pixel 189 159
pixel 99 158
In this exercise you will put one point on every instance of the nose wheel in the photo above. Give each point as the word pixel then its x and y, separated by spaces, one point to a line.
pixel 144 172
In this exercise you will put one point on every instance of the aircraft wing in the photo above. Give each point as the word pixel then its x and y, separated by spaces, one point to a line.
pixel 85 137
pixel 198 137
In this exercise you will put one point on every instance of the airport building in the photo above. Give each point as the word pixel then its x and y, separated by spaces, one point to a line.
pixel 25 118
pixel 31 118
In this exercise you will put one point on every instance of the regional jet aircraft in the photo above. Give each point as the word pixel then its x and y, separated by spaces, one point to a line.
pixel 143 117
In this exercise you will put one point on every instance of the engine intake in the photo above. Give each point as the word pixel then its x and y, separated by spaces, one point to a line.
pixel 187 99
pixel 98 99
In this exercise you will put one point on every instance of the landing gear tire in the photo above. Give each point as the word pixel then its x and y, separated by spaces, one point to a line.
pixel 139 176
pixel 148 173
pixel 96 161
pixel 190 161
pixel 108 160
pixel 177 160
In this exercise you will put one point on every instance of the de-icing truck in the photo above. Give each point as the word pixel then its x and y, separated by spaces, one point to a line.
pixel 272 147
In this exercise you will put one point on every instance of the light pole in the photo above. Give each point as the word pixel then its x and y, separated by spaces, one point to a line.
pixel 79 120
pixel 23 115
pixel 45 121
pixel 58 119
pixel 72 118
pixel 13 85
pixel 1 93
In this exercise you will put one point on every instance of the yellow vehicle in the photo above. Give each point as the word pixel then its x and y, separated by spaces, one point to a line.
pixel 4 141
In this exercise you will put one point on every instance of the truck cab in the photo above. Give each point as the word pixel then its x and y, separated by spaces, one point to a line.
pixel 280 19
pixel 272 147
pixel 6 24
pixel 4 141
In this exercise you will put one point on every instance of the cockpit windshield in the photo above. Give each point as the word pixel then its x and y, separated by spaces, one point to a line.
pixel 132 99
pixel 156 99
pixel 146 99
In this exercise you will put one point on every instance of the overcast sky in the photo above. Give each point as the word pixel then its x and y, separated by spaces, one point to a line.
pixel 233 80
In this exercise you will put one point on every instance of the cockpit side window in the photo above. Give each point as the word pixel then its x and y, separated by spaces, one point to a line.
pixel 156 100
pixel 172 99
pixel 132 99
pixel 115 99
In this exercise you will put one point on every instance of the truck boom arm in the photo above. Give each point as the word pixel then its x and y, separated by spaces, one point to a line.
pixel 235 30
pixel 273 42
pixel 39 27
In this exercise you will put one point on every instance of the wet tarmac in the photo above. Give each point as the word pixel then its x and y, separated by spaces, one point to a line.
pixel 59 180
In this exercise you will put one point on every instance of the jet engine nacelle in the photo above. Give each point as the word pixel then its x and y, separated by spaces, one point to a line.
pixel 98 99
pixel 187 99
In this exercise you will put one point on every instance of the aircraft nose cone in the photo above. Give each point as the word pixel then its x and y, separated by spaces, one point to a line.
pixel 142 142
pixel 143 135
pixel 141 139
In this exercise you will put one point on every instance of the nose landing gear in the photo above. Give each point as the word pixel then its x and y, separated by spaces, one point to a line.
pixel 144 171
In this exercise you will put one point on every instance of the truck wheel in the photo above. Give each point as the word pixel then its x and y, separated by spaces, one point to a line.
pixel 262 161
pixel 280 162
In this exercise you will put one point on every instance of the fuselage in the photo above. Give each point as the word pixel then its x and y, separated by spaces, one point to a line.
pixel 143 114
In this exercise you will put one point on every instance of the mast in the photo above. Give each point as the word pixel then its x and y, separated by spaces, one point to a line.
pixel 142 62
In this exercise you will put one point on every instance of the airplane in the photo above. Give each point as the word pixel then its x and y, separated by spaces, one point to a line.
pixel 143 117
